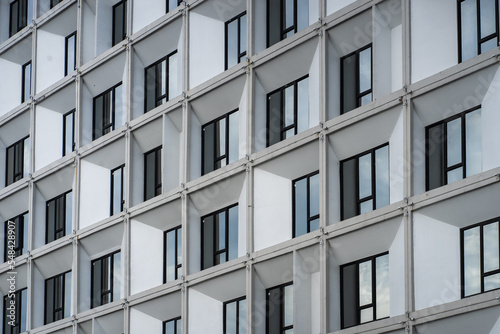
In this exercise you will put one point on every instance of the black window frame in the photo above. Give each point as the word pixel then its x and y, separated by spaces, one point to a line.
pixel 226 45
pixel 294 126
pixel 16 175
pixel 66 54
pixel 281 287
pixel 104 126
pixel 175 320
pixel 481 252
pixel 65 130
pixel 359 95
pixel 19 235
pixel 109 292
pixel 7 329
pixel 21 19
pixel 283 30
pixel 157 183
pixel 216 252
pixel 216 158
pixel 167 5
pixel 61 309
pixel 224 321
pixel 124 22
pixel 56 231
pixel 309 217
pixel 23 82
pixel 444 156
pixel 176 230
pixel 374 290
pixel 158 96
pixel 112 194
pixel 373 196
pixel 54 3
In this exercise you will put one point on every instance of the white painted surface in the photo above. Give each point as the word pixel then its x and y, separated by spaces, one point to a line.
pixel 144 15
pixel 37 302
pixel 396 58
pixel 418 167
pixel 137 174
pixel 104 28
pixel 334 5
pixel 38 217
pixel 48 136
pixel 50 59
pixel 171 157
pixel 94 193
pixel 86 103
pixel 205 313
pixel 490 118
pixel 195 151
pixel 143 323
pixel 396 161
pixel 397 273
pixel 10 90
pixel 83 281
pixel 333 186
pixel 88 33
pixel 194 239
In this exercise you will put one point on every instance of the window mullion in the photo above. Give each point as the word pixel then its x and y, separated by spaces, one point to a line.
pixel 481 256
pixel 374 288
pixel 374 180
pixel 478 22
pixel 226 144
pixel 463 142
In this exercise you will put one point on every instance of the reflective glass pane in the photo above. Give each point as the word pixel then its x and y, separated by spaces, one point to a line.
pixel 27 82
pixel 349 99
pixel 382 177
pixel 208 242
pixel 25 232
pixel 490 247
pixel 472 264
pixel 170 327
pixel 234 141
pixel 288 307
pixel 178 325
pixel 491 282
pixel 179 249
pixel 454 175
pixel 349 199
pixel 365 283
pixel 435 152
pixel 172 4
pixel 242 317
pixel 300 189
pixel 468 31
pixel 233 233
pixel 68 127
pixel 454 142
pixel 173 77
pixel 349 293
pixel 382 286
pixel 314 195
pixel 71 54
pixel 162 80
pixel 96 283
pixel 366 315
pixel 289 117
pixel 170 256
pixel 243 33
pixel 473 143
pixel 273 310
pixel 220 232
pixel 231 318
pixel 487 12
pixel 51 220
pixel 273 23
pixel 232 44
pixel 365 99
pixel 365 176
pixel 69 214
pixel 49 301
pixel 489 45
pixel 14 10
pixel 150 88
pixel 365 70
pixel 208 148
pixel 289 133
pixel 117 191
pixel 288 13
pixel 302 14
pixel 303 105
pixel 118 23
pixel 274 121
pixel 117 276
pixel 314 225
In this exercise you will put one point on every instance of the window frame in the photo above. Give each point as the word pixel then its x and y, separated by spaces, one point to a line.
pixel 373 290
pixel 19 18
pixel 23 82
pixel 20 158
pixel 158 97
pixel 170 320
pixel 65 130
pixel 283 31
pixel 226 26
pixel 158 183
pixel 63 195
pixel 19 235
pixel 54 3
pixel 282 287
pixel 124 22
pixel 176 230
pixel 167 5
pixel 61 276
pixel 112 195
pixel 111 125
pixel 282 89
pixel 109 292
pixel 224 318
pixel 19 311
pixel 309 217
pixel 66 48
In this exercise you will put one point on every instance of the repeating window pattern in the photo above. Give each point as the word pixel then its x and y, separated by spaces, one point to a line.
pixel 26 82
pixel 20 300
pixel 152 173
pixel 288 111
pixel 57 297
pixel 453 148
pixel 160 81
pixel 356 79
pixel 480 257
pixel 219 237
pixel 107 110
pixel 17 161
pixel 477 27
pixel 119 22
pixel 172 263
pixel 106 279
pixel 172 326
pixel 364 290
pixel 69 132
pixel 220 142
pixel 279 309
pixel 285 18
pixel 70 53
pixel 18 16
pixel 364 182
pixel 172 4
pixel 236 40
pixel 58 217
pixel 235 316
pixel 19 245
pixel 116 200
pixel 305 194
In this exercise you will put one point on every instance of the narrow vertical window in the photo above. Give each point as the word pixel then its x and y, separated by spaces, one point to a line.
pixel 477 27
pixel 220 142
pixel 365 182
pixel 26 82
pixel 119 22
pixel 236 40
pixel 161 81
pixel 69 132
pixel 279 309
pixel 17 161
pixel 20 300
pixel 54 3
pixel 172 4
pixel 219 237
pixel 364 290
pixel 20 11
pixel 235 316
pixel 16 237
pixel 172 254
pixel 59 220
pixel 288 111
pixel 70 53
pixel 305 195
pixel 285 18
pixel 356 79
pixel 107 111
pixel 57 297
pixel 152 173
pixel 172 326
pixel 116 202
pixel 453 149
pixel 106 279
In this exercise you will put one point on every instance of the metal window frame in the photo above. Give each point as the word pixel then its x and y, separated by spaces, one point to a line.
pixel 281 288
pixel 112 194
pixel 226 28
pixel 158 96
pixel 374 290
pixel 19 157
pixel 359 95
pixel 158 183
pixel 226 144
pixel 169 320
pixel 175 230
pixel 166 5
pixel 112 112
pixel 216 252
pixel 54 199
pixel 283 30
pixel 54 3
pixel 19 25
pixel 309 217
pixel 63 285
pixel 294 126
pixel 66 60
pixel 23 81
pixel 65 130
pixel 224 319
pixel 483 275
pixel 19 235
pixel 111 276
pixel 373 196
pixel 478 22
pixel 444 168
pixel 124 22
pixel 19 306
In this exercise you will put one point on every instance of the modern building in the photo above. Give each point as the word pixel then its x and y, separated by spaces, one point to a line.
pixel 250 166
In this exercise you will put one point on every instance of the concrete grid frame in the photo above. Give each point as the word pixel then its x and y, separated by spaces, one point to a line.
pixel 417 81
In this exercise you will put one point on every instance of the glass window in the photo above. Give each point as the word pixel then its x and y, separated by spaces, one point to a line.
pixel 365 182
pixel 58 217
pixel 16 237
pixel 57 297
pixel 116 200
pixel 235 316
pixel 305 194
pixel 453 149
pixel 21 12
pixel 19 301
pixel 152 173
pixel 107 109
pixel 172 254
pixel 106 279
pixel 478 27
pixel 279 309
pixel 69 132
pixel 17 161
pixel 119 22
pixel 364 290
pixel 288 111
pixel 161 81
pixel 285 18
pixel 70 53
pixel 172 326
pixel 220 142
pixel 26 82
pixel 236 40
pixel 356 78
pixel 219 237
